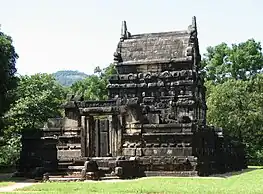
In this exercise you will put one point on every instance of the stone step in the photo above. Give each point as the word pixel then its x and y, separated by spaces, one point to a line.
pixel 104 168
pixel 72 179
pixel 65 163
pixel 65 179
pixel 172 173
pixel 75 167
pixel 109 177
pixel 79 168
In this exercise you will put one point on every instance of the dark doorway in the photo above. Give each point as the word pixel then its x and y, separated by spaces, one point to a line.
pixel 101 143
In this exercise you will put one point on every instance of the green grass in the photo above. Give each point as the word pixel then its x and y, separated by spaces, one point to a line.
pixel 6 183
pixel 248 182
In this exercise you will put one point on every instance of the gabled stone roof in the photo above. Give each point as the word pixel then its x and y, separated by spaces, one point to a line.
pixel 155 47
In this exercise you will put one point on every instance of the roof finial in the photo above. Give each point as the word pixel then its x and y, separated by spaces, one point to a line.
pixel 194 27
pixel 124 30
pixel 194 21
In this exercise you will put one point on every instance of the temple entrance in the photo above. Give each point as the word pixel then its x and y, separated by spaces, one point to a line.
pixel 100 136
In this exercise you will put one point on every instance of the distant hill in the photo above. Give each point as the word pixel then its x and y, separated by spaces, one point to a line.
pixel 68 77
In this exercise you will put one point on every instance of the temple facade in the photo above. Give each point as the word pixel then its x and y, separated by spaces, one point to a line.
pixel 154 122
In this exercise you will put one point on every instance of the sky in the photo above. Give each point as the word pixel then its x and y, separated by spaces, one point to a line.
pixel 52 35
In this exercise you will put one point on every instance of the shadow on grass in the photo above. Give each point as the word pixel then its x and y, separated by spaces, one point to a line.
pixel 8 177
pixel 235 173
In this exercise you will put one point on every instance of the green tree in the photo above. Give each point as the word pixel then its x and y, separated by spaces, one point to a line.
pixel 94 87
pixel 39 97
pixel 8 81
pixel 238 61
pixel 234 81
pixel 237 106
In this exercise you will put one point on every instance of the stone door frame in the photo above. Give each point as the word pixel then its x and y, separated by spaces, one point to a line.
pixel 88 131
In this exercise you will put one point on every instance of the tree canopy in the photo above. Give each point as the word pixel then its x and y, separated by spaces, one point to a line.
pixel 234 81
pixel 94 87
pixel 237 106
pixel 38 97
pixel 238 61
pixel 8 80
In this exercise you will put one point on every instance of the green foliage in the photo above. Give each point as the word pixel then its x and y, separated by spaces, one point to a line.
pixel 94 87
pixel 39 97
pixel 237 106
pixel 240 61
pixel 10 152
pixel 68 77
pixel 8 81
pixel 234 82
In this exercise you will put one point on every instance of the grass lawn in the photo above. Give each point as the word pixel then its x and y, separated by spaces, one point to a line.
pixel 6 183
pixel 248 182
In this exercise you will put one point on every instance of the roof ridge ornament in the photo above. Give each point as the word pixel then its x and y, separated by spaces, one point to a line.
pixel 124 31
pixel 194 27
pixel 192 30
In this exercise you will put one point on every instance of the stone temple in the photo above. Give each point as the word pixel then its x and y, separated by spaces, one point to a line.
pixel 153 124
